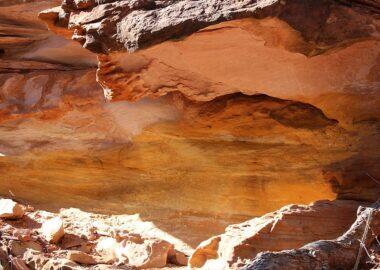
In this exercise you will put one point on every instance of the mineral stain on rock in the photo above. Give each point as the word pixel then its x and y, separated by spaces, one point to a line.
pixel 301 115
pixel 196 115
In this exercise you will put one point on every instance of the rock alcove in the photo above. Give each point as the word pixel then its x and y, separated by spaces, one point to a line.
pixel 195 115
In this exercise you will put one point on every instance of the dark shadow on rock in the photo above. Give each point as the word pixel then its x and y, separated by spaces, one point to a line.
pixel 355 178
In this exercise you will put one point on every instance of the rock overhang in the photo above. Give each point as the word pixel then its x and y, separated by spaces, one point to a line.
pixel 227 155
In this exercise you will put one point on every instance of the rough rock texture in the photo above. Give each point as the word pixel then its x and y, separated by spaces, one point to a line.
pixel 24 38
pixel 290 227
pixel 136 244
pixel 341 253
pixel 53 230
pixel 104 26
pixel 94 241
pixel 278 106
pixel 10 209
pixel 240 156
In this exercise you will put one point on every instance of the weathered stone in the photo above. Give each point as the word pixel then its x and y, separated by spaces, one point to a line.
pixel 23 235
pixel 340 253
pixel 199 156
pixel 71 240
pixel 177 257
pixel 18 264
pixel 130 25
pixel 290 227
pixel 10 209
pixel 82 258
pixel 18 248
pixel 207 250
pixel 277 51
pixel 53 230
pixel 106 248
pixel 152 253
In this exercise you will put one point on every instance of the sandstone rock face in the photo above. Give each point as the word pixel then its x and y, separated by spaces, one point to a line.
pixel 279 105
pixel 290 227
pixel 341 253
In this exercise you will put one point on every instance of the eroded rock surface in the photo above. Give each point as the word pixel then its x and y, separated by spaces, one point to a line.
pixel 104 26
pixel 10 209
pixel 343 252
pixel 279 105
pixel 289 227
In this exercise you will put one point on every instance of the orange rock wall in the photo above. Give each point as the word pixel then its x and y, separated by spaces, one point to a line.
pixel 229 123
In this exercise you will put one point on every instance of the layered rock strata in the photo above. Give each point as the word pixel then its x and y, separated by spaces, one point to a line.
pixel 214 124
pixel 287 228
pixel 344 252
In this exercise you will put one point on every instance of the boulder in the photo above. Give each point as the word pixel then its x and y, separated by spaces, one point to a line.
pixel 72 240
pixel 290 227
pixel 177 257
pixel 136 251
pixel 82 258
pixel 18 248
pixel 152 253
pixel 106 248
pixel 207 250
pixel 23 235
pixel 347 251
pixel 53 230
pixel 10 209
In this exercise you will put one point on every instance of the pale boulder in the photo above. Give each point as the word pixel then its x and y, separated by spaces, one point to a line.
pixel 152 253
pixel 53 230
pixel 106 248
pixel 9 209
